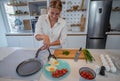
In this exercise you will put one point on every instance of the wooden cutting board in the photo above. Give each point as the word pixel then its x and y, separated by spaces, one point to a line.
pixel 59 54
pixel 82 23
pixel 27 25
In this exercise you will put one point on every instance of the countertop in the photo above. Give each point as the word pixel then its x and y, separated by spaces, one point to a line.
pixel 113 33
pixel 30 33
pixel 74 75
pixel 20 33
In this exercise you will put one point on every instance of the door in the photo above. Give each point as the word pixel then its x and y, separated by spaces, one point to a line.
pixel 94 43
pixel 99 14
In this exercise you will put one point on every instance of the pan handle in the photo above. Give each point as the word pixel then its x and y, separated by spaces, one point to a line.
pixel 37 53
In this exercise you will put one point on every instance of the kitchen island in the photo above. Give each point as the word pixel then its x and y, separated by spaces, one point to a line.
pixel 74 74
pixel 113 38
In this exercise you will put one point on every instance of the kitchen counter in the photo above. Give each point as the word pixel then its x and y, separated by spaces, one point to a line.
pixel 30 33
pixel 76 33
pixel 20 33
pixel 113 33
pixel 74 75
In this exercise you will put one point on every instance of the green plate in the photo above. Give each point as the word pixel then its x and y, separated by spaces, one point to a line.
pixel 62 64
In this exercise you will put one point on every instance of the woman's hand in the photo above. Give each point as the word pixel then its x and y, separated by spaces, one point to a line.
pixel 44 47
pixel 38 37
pixel 46 41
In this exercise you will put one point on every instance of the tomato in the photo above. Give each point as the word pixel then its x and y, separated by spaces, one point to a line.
pixel 87 75
pixel 53 74
pixel 59 73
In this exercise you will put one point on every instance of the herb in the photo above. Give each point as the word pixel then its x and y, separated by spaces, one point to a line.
pixel 88 56
pixel 65 52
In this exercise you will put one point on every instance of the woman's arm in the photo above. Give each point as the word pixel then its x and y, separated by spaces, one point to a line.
pixel 57 42
pixel 43 37
pixel 46 41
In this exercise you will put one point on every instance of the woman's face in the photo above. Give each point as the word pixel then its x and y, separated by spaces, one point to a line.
pixel 53 13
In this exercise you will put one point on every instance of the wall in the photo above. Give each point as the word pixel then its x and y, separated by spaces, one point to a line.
pixel 3 41
pixel 115 16
pixel 73 16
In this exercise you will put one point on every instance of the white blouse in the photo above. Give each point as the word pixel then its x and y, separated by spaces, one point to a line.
pixel 58 31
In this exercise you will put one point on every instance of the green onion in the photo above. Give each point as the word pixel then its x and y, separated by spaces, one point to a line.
pixel 88 56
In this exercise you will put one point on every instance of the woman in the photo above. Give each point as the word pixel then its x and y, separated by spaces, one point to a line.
pixel 50 27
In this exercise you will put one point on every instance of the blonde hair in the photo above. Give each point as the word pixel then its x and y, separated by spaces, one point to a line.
pixel 56 4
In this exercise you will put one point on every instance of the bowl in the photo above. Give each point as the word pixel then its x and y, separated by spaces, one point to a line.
pixel 87 74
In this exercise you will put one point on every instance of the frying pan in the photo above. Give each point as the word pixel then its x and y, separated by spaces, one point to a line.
pixel 50 55
pixel 30 66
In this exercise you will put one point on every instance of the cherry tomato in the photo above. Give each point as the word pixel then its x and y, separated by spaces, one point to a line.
pixel 87 75
pixel 59 73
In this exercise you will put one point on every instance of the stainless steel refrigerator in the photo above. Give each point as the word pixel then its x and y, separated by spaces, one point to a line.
pixel 98 22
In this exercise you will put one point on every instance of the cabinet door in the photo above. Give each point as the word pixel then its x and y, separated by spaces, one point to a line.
pixel 76 41
pixel 38 44
pixel 113 42
pixel 13 41
pixel 26 41
pixel 20 41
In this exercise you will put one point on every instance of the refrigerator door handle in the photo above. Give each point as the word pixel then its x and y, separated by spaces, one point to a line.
pixel 96 37
pixel 100 10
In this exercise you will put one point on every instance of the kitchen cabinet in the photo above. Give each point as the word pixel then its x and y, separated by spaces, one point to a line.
pixel 73 41
pixel 76 41
pixel 37 44
pixel 26 41
pixel 113 42
pixel 12 41
pixel 20 41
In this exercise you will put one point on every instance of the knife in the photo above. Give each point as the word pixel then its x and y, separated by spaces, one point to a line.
pixel 77 54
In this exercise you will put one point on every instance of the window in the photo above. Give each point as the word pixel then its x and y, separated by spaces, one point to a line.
pixel 10 10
